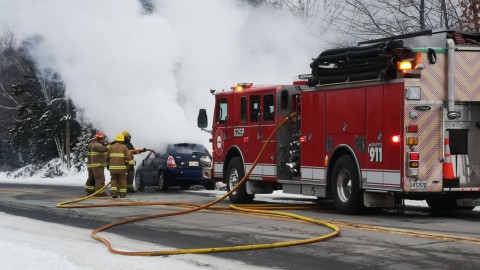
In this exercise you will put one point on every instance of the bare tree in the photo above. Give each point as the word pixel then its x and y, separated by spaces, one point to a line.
pixel 366 19
pixel 304 8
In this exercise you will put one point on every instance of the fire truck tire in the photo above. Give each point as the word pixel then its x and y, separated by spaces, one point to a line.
pixel 162 182
pixel 235 174
pixel 446 205
pixel 139 185
pixel 346 193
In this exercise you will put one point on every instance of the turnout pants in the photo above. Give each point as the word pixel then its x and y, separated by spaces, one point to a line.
pixel 95 180
pixel 119 183
pixel 130 176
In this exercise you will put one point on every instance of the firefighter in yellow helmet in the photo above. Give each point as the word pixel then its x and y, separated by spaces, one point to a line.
pixel 119 159
pixel 96 162
pixel 130 169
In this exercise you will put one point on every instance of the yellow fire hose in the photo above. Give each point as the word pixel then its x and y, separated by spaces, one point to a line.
pixel 258 209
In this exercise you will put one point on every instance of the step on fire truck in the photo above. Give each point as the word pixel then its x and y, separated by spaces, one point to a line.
pixel 390 119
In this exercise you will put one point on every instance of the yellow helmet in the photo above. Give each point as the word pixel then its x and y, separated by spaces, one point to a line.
pixel 125 133
pixel 119 138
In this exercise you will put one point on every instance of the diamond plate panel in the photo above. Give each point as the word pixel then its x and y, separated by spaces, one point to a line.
pixel 467 76
pixel 430 147
pixel 434 80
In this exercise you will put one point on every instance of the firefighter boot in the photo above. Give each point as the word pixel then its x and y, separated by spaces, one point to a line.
pixel 90 190
pixel 123 195
pixel 114 195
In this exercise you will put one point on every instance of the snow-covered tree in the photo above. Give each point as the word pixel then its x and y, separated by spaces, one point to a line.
pixel 80 149
pixel 33 110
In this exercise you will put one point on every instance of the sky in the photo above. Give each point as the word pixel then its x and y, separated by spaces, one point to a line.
pixel 150 73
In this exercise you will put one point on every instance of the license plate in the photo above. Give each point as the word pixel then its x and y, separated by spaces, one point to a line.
pixel 418 184
pixel 193 163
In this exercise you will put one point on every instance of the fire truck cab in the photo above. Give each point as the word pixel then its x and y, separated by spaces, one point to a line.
pixel 390 119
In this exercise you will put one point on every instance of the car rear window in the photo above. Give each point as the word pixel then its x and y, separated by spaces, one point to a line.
pixel 189 148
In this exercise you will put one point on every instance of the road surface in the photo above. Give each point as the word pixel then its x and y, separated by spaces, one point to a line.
pixel 413 238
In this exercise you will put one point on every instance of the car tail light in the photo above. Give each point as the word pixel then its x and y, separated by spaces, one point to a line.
pixel 171 162
pixel 207 173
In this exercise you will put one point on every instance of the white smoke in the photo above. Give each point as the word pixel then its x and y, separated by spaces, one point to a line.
pixel 151 73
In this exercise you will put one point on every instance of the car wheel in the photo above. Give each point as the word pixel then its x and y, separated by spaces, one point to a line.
pixel 139 185
pixel 346 193
pixel 185 187
pixel 210 185
pixel 235 174
pixel 162 182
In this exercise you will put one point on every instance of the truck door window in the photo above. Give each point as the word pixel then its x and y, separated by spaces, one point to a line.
pixel 243 109
pixel 254 108
pixel 222 112
pixel 268 107
pixel 284 100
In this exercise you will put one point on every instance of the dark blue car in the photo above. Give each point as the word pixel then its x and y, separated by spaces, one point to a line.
pixel 183 164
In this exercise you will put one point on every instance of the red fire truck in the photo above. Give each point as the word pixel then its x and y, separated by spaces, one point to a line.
pixel 390 119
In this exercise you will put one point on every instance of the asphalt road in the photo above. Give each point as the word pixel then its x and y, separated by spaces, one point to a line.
pixel 409 239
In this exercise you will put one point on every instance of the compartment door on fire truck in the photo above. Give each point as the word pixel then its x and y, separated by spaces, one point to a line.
pixel 383 122
pixel 375 132
pixel 313 134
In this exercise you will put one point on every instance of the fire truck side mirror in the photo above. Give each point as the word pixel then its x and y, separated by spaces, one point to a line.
pixel 202 120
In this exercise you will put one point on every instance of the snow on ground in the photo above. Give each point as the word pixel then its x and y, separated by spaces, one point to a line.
pixel 32 244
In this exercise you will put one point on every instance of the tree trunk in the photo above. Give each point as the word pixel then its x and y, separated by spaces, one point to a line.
pixel 67 133
pixel 422 14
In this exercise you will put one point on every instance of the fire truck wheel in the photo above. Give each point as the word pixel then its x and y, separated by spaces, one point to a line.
pixel 446 205
pixel 139 182
pixel 346 193
pixel 235 173
pixel 162 182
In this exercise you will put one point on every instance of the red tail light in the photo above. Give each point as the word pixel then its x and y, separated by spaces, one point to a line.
pixel 414 156
pixel 171 162
pixel 412 128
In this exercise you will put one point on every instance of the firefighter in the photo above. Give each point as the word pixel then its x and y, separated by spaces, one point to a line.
pixel 118 159
pixel 130 169
pixel 96 162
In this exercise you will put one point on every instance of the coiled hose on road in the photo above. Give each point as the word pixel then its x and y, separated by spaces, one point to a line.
pixel 251 209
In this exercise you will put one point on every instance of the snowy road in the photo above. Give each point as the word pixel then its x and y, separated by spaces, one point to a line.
pixel 54 246
pixel 32 244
